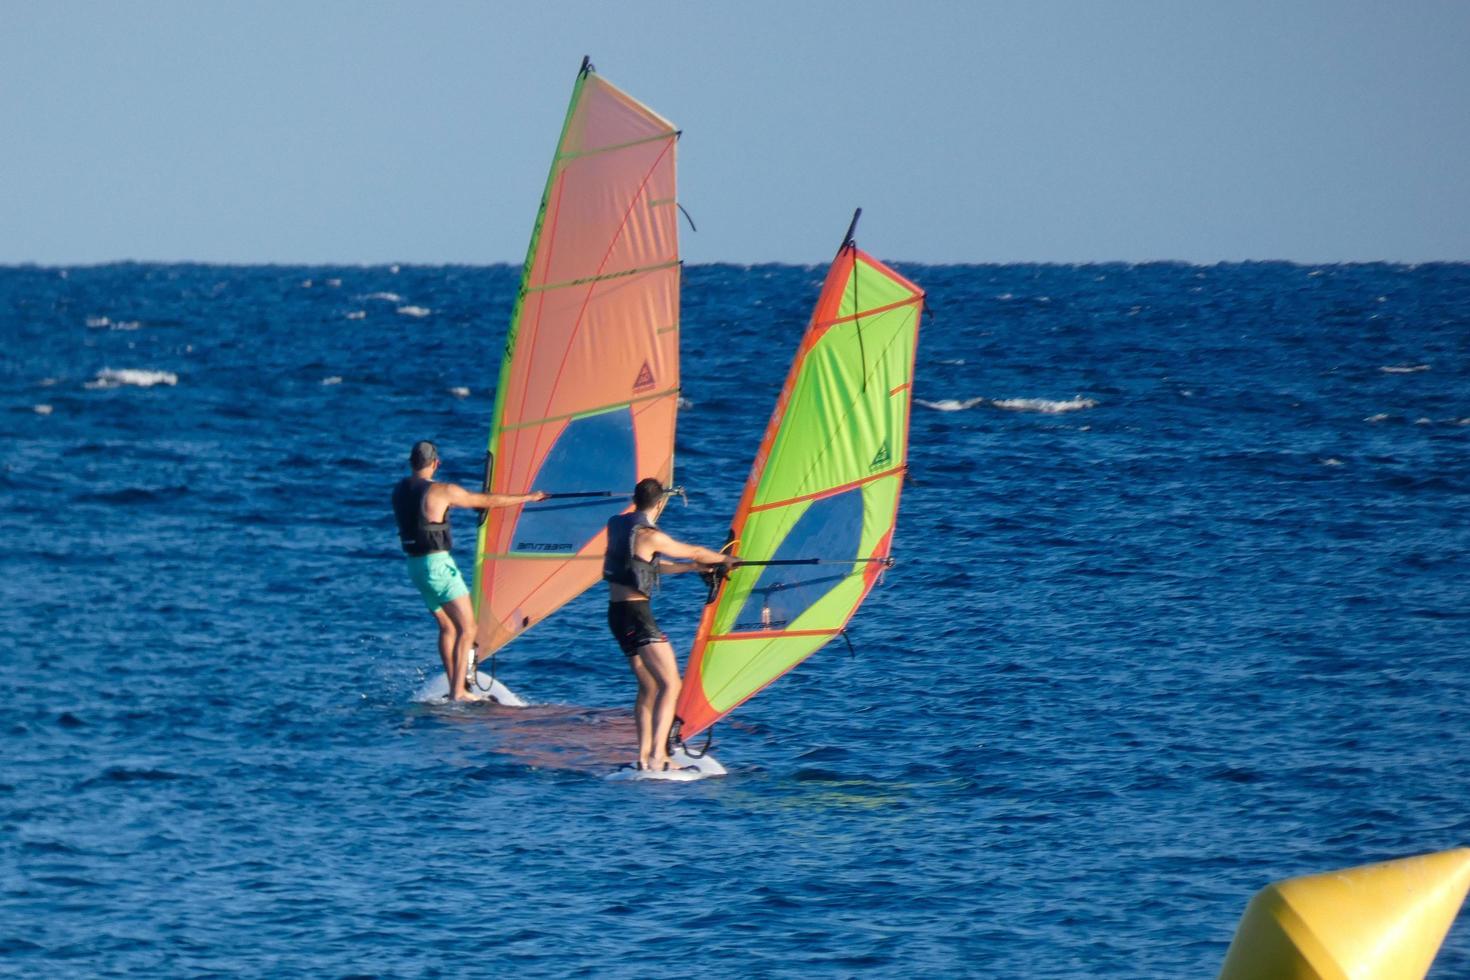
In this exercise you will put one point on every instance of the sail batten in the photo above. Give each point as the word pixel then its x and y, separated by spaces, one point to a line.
pixel 588 390
pixel 823 491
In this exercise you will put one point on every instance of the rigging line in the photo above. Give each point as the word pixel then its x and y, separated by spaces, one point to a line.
pixel 857 320
pixel 819 456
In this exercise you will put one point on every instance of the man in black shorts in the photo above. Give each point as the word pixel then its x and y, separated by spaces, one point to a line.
pixel 636 550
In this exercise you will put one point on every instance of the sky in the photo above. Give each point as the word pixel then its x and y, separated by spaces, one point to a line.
pixel 376 131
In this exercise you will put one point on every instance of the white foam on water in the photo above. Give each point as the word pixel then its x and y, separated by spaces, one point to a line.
pixel 357 315
pixel 1044 405
pixel 127 325
pixel 1404 368
pixel 98 321
pixel 334 283
pixel 385 297
pixel 306 284
pixel 41 409
pixel 393 269
pixel 956 361
pixel 414 310
pixel 1330 461
pixel 109 378
pixel 49 382
pixel 1380 417
pixel 685 402
pixel 1421 420
pixel 333 380
pixel 951 404
pixel 460 392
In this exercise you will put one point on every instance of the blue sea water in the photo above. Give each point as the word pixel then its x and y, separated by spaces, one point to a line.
pixel 1181 609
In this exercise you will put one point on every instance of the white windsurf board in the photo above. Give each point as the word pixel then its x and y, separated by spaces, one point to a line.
pixel 436 690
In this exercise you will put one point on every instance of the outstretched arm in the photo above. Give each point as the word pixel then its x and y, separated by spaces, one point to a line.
pixel 457 496
pixel 669 548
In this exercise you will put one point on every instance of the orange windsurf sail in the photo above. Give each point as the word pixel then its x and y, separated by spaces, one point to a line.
pixel 589 386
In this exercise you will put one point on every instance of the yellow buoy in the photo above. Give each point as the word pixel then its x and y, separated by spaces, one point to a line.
pixel 1385 921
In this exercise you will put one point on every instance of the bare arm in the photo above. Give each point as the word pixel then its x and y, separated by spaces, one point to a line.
pixel 657 541
pixel 678 567
pixel 452 495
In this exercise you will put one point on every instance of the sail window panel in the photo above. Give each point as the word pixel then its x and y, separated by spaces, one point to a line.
pixel 830 528
pixel 592 454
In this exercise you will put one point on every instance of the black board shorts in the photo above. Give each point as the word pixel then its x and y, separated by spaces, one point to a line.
pixel 633 626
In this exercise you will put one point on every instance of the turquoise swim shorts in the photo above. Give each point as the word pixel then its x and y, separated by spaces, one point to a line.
pixel 438 578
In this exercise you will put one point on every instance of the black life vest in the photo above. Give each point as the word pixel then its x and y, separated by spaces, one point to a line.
pixel 418 535
pixel 620 564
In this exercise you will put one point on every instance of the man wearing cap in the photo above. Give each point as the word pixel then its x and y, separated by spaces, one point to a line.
pixel 421 508
pixel 636 550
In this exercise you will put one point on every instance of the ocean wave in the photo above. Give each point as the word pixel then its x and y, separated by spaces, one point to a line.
pixel 414 310
pixel 357 315
pixel 460 392
pixel 104 323
pixel 385 297
pixel 109 378
pixel 951 404
pixel 1044 405
pixel 1404 368
pixel 335 379
pixel 685 402
pixel 41 409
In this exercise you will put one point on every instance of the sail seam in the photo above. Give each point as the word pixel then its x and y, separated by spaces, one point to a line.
pixel 578 154
pixel 830 491
pixel 588 412
pixel 602 277
pixel 873 312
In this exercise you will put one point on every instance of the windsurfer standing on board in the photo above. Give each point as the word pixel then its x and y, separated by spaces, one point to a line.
pixel 421 508
pixel 634 561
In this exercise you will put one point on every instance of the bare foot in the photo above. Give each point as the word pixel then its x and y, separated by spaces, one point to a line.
pixel 467 696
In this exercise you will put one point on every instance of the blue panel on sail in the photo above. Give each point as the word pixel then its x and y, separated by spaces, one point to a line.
pixel 831 528
pixel 593 453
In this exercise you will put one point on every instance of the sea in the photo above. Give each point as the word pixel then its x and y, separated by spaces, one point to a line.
pixel 1181 607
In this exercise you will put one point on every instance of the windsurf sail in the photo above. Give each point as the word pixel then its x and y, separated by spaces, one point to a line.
pixel 589 385
pixel 815 522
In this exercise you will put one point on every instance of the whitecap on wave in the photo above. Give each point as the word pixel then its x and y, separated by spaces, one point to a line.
pixel 105 323
pixel 414 310
pixel 41 409
pixel 460 392
pixel 1044 405
pixel 1404 368
pixel 951 404
pixel 335 379
pixel 357 315
pixel 109 378
pixel 685 402
pixel 385 297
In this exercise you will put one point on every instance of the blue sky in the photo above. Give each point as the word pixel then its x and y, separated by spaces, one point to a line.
pixel 1072 130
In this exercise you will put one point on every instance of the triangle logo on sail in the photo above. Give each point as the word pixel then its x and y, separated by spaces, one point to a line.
pixel 884 457
pixel 645 379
